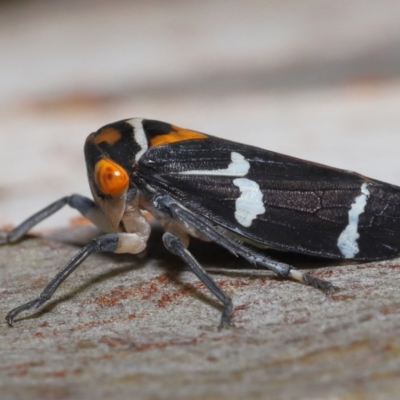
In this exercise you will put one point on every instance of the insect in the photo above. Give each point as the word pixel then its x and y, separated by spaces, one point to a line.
pixel 243 198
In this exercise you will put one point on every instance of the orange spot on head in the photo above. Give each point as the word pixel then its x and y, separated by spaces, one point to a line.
pixel 110 177
pixel 176 135
pixel 108 135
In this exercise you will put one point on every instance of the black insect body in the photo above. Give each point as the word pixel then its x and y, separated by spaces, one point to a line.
pixel 241 197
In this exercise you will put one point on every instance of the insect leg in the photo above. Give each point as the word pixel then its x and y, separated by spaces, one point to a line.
pixel 111 242
pixel 285 270
pixel 223 238
pixel 175 245
pixel 83 204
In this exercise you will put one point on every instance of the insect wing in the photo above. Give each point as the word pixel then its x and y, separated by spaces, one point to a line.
pixel 277 201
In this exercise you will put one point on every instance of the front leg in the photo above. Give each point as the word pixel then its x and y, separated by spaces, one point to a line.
pixel 175 245
pixel 112 242
pixel 83 204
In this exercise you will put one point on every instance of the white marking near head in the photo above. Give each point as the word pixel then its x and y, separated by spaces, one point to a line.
pixel 139 136
pixel 250 203
pixel 347 241
pixel 238 167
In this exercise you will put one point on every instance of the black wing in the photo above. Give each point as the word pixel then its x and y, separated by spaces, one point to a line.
pixel 307 207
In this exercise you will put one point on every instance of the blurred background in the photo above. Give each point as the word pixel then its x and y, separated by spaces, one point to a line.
pixel 314 79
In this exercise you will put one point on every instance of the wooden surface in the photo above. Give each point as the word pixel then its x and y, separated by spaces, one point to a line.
pixel 123 326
